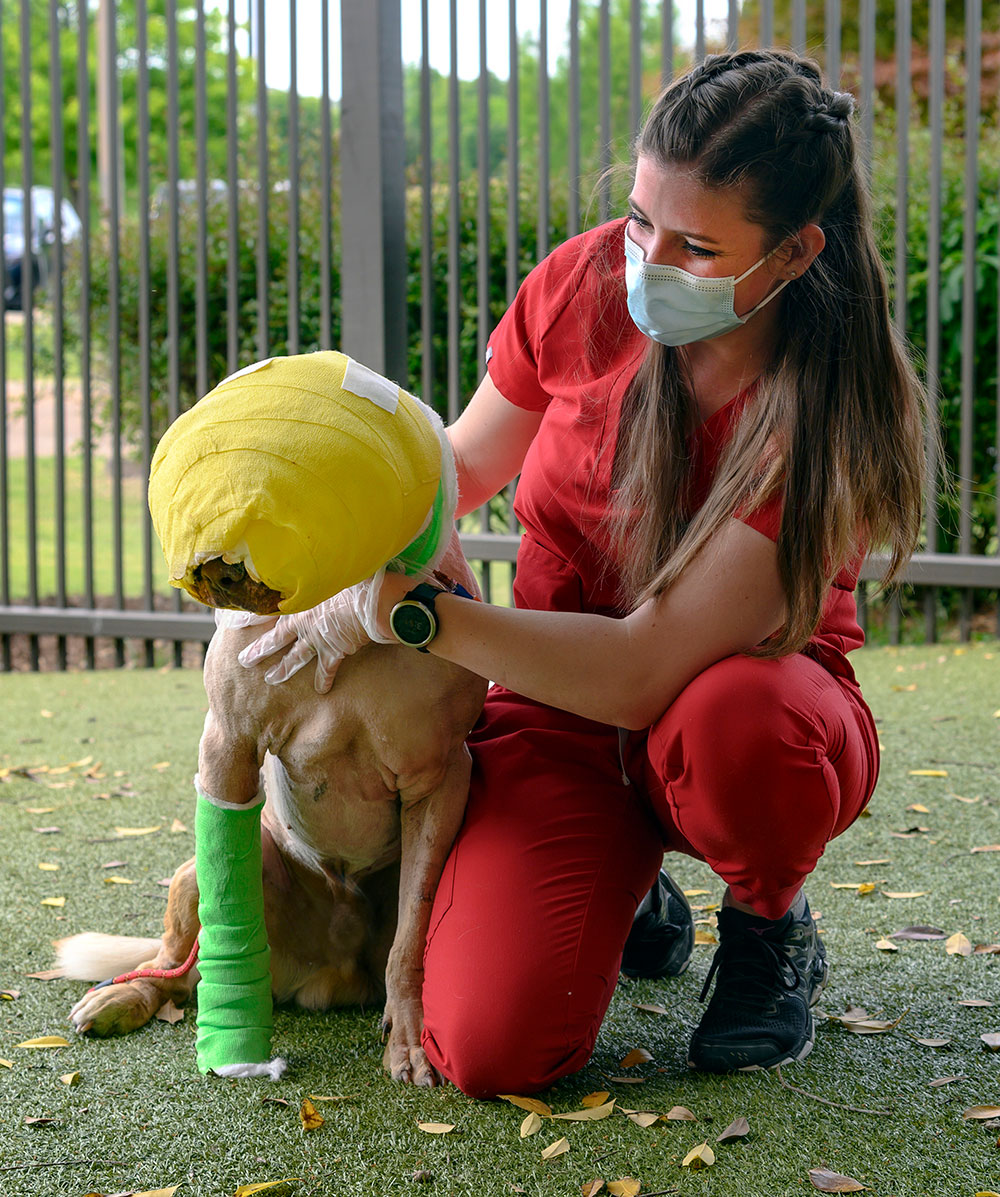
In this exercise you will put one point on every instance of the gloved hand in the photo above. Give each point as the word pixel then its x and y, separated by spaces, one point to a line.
pixel 336 628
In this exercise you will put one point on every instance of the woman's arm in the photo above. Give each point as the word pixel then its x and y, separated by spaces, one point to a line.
pixel 625 672
pixel 490 439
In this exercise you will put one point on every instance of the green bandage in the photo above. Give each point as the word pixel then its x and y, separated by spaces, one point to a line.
pixel 234 993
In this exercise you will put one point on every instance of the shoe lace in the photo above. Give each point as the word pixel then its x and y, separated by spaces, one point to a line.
pixel 758 962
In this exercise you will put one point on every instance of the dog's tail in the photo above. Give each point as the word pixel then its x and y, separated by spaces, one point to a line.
pixel 95 957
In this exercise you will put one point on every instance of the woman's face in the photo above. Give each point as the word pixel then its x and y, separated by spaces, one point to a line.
pixel 677 221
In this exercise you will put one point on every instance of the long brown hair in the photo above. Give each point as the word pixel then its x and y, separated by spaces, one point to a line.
pixel 836 426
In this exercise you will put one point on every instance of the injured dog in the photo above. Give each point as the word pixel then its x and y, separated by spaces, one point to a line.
pixel 365 789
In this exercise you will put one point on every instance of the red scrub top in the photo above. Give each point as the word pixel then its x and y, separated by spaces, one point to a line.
pixel 568 347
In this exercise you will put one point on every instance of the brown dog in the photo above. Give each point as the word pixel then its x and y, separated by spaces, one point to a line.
pixel 366 787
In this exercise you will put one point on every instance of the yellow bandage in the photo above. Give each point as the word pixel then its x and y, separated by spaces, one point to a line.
pixel 283 467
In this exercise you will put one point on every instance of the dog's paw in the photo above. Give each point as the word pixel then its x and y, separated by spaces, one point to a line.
pixel 404 1059
pixel 114 1010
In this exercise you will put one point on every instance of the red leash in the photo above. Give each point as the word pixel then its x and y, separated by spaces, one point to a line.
pixel 162 973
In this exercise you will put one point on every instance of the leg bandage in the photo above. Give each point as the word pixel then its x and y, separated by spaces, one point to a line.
pixel 234 993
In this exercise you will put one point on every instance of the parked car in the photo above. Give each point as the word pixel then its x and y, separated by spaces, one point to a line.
pixel 43 239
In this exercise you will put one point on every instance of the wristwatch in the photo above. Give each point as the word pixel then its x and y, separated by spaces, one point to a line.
pixel 413 620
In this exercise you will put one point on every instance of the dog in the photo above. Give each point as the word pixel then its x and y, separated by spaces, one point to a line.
pixel 365 790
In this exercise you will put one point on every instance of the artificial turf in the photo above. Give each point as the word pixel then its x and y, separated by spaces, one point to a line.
pixel 141 1117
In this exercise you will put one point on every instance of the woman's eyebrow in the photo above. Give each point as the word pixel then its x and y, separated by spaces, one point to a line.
pixel 681 232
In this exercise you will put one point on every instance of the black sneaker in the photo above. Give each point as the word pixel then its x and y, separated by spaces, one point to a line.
pixel 769 975
pixel 662 936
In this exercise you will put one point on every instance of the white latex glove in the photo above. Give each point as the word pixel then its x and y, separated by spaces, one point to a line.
pixel 336 628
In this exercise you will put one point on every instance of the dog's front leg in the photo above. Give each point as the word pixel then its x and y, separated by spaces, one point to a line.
pixel 430 822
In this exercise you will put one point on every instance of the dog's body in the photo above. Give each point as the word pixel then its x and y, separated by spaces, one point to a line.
pixel 366 788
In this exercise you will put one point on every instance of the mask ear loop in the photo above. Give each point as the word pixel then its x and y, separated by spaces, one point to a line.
pixel 767 298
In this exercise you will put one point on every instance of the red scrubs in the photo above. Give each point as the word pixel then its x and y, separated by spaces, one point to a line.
pixel 753 768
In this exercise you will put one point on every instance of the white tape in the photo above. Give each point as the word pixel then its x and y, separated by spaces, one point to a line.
pixel 251 369
pixel 366 384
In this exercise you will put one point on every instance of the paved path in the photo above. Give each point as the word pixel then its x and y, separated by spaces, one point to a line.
pixel 45 438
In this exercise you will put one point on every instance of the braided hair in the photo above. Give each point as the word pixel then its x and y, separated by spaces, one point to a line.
pixel 837 423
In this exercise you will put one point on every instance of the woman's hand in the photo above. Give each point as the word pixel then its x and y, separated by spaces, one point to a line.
pixel 336 628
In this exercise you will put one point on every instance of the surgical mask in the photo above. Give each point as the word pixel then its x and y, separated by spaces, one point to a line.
pixel 675 307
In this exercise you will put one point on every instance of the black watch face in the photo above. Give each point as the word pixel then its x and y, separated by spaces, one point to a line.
pixel 412 623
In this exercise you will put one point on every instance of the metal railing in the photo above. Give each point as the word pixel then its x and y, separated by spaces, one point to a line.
pixel 226 217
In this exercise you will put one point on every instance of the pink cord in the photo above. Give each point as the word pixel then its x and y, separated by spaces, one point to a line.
pixel 162 973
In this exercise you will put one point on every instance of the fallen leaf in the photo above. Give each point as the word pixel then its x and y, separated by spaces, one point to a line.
pixel 643 1118
pixel 986 949
pixel 338 1097
pixel 986 1193
pixel 696 893
pixel 161 765
pixel 635 1057
pixel 933 1042
pixel 594 1099
pixel 992 1040
pixel 168 1192
pixel 7 1063
pixel 48 867
pixel 833 1182
pixel 114 864
pixel 593 1114
pixel 9 995
pixel 39 810
pixel 274 1101
pixel 48 974
pixel 45 714
pixel 627 1080
pixel 986 848
pixel 973 1002
pixel 906 893
pixel 909 833
pixel 847 884
pixel 46 1041
pixel 248 1190
pixel 168 1012
pixel 118 881
pixel 177 826
pixel 531 1125
pixel 590 1188
pixel 865 864
pixel 919 932
pixel 38 1121
pixel 980 1113
pixel 422 1176
pixel 928 772
pixel 886 945
pixel 559 1147
pixel 626 1187
pixel 124 832
pixel 48 830
pixel 737 1129
pixel 680 1114
pixel 59 902
pixel 946 1080
pixel 70 1078
pixel 701 1156
pixel 309 1116
pixel 649 1008
pixel 918 808
pixel 704 938
pixel 527 1103
pixel 436 1128
pixel 958 945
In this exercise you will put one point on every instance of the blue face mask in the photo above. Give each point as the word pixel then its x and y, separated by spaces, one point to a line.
pixel 675 307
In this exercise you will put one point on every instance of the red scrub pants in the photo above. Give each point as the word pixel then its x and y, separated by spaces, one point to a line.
pixel 754 768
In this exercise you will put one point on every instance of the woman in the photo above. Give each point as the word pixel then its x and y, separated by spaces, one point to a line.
pixel 712 419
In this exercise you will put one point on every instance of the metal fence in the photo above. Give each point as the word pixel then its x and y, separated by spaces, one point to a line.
pixel 390 204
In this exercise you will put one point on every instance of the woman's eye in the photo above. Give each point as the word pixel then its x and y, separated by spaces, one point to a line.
pixel 641 221
pixel 699 251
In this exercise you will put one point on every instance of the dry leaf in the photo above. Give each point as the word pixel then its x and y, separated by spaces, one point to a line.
pixel 114 864
pixel 886 945
pixel 635 1057
pixel 737 1129
pixel 559 1147
pixel 168 1192
pixel 865 888
pixel 48 867
pixel 680 1114
pixel 46 1041
pixel 626 1187
pixel 39 810
pixel 992 1040
pixel 986 949
pixel 248 1190
pixel 593 1114
pixel 177 826
pixel 907 893
pixel 8 995
pixel 436 1128
pixel 124 832
pixel 933 1042
pixel 594 1099
pixel 627 1080
pixel 919 932
pixel 958 945
pixel 309 1116
pixel 118 881
pixel 48 830
pixel 527 1103
pixel 38 1121
pixel 866 864
pixel 966 1002
pixel 946 1080
pixel 531 1125
pixel 590 1188
pixel 48 974
pixel 70 1078
pixel 987 848
pixel 981 1113
pixel 60 902
pixel 696 893
pixel 701 1156
pixel 649 1008
pixel 928 772
pixel 918 808
pixel 643 1118
pixel 168 1012
pixel 339 1097
pixel 7 1063
pixel 986 1193
pixel 704 938
pixel 833 1182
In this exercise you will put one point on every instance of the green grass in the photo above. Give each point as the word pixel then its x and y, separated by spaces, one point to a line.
pixel 142 1118
pixel 133 507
